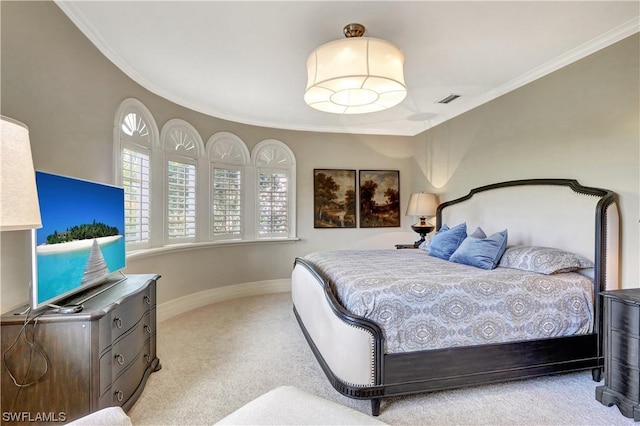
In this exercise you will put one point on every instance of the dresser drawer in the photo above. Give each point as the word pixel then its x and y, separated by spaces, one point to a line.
pixel 129 313
pixel 124 351
pixel 125 385
pixel 626 381
pixel 128 348
pixel 625 316
pixel 124 317
pixel 625 348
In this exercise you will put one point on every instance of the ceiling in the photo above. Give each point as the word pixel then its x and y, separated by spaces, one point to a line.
pixel 246 61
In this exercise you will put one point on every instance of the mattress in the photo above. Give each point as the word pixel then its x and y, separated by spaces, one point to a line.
pixel 423 303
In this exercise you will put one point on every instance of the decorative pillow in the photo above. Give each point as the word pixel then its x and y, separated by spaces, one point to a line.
pixel 426 244
pixel 544 260
pixel 481 252
pixel 447 240
pixel 478 233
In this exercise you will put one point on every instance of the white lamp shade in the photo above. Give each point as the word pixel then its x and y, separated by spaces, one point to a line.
pixel 18 195
pixel 355 75
pixel 422 204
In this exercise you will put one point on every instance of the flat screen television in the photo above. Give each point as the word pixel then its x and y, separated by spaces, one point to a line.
pixel 81 243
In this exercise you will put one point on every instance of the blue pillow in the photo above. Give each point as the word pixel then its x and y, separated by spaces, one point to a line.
pixel 446 241
pixel 481 252
pixel 478 233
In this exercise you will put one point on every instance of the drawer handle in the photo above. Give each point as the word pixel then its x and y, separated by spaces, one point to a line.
pixel 147 358
pixel 119 395
pixel 147 329
pixel 120 359
pixel 117 322
pixel 147 300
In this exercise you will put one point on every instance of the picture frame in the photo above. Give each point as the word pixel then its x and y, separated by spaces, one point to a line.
pixel 379 192
pixel 334 198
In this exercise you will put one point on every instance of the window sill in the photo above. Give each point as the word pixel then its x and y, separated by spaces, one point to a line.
pixel 143 253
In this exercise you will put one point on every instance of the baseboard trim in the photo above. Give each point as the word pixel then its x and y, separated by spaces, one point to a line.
pixel 187 303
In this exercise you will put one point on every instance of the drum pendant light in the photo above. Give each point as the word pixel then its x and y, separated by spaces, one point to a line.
pixel 355 75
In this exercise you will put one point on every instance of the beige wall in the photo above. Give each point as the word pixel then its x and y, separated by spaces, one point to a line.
pixel 55 81
pixel 580 122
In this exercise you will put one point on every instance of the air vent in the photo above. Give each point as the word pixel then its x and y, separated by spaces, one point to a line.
pixel 450 98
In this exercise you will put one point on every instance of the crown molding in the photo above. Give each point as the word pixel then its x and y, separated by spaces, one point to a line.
pixel 74 13
pixel 605 40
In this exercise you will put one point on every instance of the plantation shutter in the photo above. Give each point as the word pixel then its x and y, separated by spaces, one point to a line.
pixel 181 200
pixel 136 181
pixel 273 203
pixel 227 202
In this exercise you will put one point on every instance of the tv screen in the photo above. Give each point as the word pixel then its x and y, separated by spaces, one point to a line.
pixel 81 242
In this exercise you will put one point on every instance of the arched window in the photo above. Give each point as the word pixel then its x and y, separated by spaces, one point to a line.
pixel 135 135
pixel 176 191
pixel 228 157
pixel 275 167
pixel 182 147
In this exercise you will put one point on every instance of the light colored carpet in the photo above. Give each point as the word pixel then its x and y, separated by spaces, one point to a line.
pixel 217 358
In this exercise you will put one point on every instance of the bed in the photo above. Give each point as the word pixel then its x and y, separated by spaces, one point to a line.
pixel 349 312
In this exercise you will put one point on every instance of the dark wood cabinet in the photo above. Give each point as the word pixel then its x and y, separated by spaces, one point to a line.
pixel 96 358
pixel 406 246
pixel 622 352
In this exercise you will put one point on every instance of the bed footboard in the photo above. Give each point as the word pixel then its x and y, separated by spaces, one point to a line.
pixel 348 347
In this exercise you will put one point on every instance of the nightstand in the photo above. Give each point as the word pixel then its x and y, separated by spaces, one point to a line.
pixel 406 246
pixel 621 318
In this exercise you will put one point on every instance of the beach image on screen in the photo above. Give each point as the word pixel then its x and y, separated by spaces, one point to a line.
pixel 81 241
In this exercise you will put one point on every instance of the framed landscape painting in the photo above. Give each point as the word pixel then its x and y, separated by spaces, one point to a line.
pixel 334 198
pixel 379 198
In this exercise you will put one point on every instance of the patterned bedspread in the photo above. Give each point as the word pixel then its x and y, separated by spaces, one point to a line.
pixel 422 302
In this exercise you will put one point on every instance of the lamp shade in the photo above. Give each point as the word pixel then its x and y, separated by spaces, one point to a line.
pixel 18 195
pixel 422 204
pixel 355 75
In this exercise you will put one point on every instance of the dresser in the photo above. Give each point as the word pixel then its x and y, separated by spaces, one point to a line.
pixel 621 310
pixel 80 362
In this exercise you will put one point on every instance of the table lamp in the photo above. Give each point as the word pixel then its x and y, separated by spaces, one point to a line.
pixel 424 205
pixel 20 209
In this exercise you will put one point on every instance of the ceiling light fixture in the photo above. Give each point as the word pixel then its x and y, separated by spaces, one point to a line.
pixel 355 75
